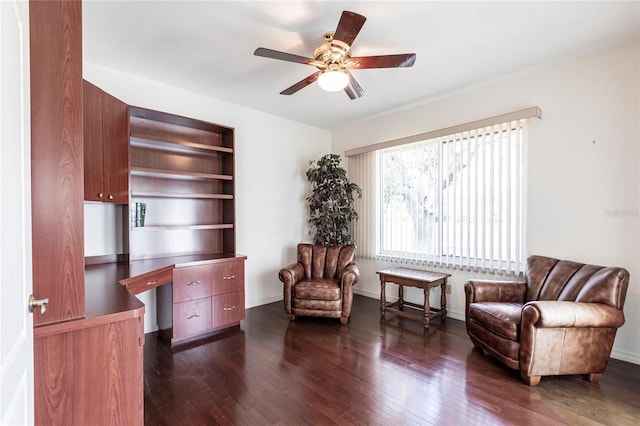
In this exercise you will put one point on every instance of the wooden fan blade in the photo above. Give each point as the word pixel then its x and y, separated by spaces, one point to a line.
pixel 282 56
pixel 353 89
pixel 384 61
pixel 301 84
pixel 349 26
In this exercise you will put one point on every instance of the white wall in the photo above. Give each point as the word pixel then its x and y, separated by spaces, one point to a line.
pixel 584 156
pixel 103 229
pixel 272 154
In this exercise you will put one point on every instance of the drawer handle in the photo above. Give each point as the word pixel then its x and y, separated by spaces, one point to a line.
pixel 152 282
pixel 229 308
pixel 194 283
pixel 192 316
pixel 228 277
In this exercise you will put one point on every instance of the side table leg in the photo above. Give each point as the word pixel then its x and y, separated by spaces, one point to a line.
pixel 443 300
pixel 383 298
pixel 427 308
pixel 401 297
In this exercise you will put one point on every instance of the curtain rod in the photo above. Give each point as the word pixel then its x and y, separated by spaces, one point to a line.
pixel 472 125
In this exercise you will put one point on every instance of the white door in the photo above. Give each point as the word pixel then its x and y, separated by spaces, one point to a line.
pixel 16 324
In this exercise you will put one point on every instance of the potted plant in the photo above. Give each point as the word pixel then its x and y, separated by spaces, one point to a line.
pixel 331 201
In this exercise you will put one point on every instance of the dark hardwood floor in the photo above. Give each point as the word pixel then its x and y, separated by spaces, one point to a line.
pixel 316 371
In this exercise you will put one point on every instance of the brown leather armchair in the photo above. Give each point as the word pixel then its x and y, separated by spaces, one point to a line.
pixel 562 320
pixel 321 283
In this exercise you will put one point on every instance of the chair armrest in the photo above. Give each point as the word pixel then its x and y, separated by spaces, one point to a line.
pixel 292 274
pixel 564 314
pixel 350 274
pixel 495 291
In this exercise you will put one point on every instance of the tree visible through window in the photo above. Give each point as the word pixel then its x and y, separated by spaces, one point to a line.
pixel 455 200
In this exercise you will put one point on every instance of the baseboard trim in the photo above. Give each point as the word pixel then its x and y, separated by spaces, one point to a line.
pixel 266 301
pixel 150 328
pixel 366 293
pixel 625 356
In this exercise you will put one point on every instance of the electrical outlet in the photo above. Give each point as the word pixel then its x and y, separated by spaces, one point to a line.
pixel 448 288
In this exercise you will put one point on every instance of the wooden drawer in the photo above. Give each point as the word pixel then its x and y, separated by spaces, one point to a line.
pixel 227 277
pixel 192 282
pixel 227 308
pixel 191 318
pixel 144 282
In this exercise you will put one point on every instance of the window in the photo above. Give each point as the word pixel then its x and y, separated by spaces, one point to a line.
pixel 453 201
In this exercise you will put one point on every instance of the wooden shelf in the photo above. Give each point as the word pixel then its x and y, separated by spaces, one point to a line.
pixel 183 227
pixel 162 118
pixel 183 168
pixel 151 142
pixel 155 194
pixel 176 174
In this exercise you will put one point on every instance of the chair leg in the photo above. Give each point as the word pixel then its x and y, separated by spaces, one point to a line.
pixel 593 377
pixel 530 380
pixel 344 320
pixel 291 317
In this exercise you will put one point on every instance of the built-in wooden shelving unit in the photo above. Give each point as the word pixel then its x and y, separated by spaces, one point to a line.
pixel 182 169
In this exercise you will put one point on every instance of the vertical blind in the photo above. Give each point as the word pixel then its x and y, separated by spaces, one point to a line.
pixel 362 171
pixel 453 201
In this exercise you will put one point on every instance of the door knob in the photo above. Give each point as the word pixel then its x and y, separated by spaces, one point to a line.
pixel 34 303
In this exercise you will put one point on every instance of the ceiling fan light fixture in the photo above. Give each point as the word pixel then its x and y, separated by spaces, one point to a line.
pixel 333 80
pixel 333 59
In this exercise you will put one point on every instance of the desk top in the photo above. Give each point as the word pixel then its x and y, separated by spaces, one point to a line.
pixel 412 274
pixel 142 266
pixel 106 301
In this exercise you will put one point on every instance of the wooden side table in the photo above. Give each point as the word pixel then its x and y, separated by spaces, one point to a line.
pixel 414 278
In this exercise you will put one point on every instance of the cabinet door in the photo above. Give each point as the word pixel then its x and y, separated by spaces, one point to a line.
pixel 191 283
pixel 228 277
pixel 90 376
pixel 227 309
pixel 191 318
pixel 92 135
pixel 106 146
pixel 115 149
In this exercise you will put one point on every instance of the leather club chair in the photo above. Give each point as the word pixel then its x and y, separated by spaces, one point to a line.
pixel 321 283
pixel 562 320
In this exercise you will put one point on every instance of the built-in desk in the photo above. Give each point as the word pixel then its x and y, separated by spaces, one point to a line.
pixel 206 292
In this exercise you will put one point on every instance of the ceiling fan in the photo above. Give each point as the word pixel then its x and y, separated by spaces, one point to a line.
pixel 333 59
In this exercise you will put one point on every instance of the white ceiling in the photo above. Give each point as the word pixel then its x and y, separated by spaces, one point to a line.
pixel 207 46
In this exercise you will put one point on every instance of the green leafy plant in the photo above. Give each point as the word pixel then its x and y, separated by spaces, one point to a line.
pixel 331 201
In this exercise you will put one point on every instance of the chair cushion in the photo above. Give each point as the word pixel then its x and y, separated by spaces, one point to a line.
pixel 502 319
pixel 317 289
pixel 317 307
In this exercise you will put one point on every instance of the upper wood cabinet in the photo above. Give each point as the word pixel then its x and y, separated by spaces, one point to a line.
pixel 106 144
pixel 56 159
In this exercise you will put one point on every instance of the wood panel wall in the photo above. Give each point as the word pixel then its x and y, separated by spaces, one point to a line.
pixel 57 158
pixel 90 376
